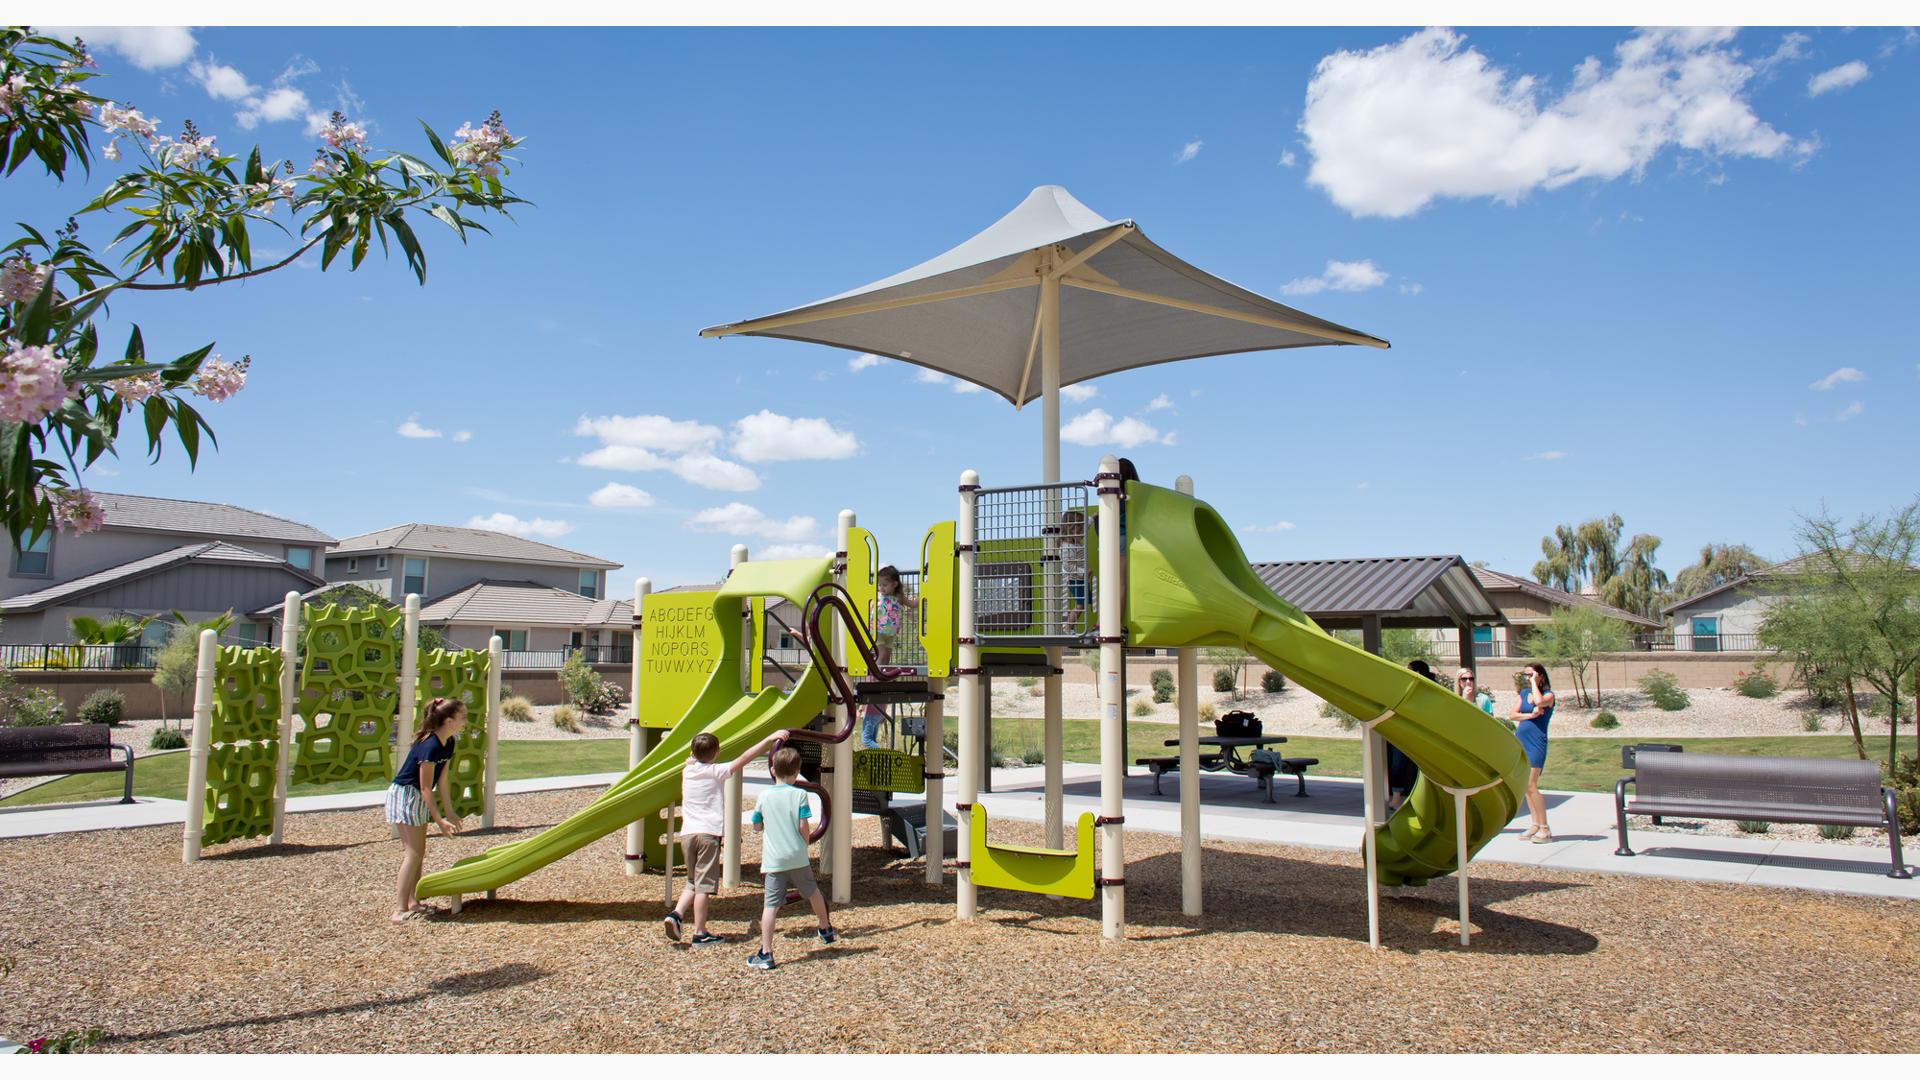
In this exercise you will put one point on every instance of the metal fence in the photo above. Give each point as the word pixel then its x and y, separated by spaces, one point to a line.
pixel 552 659
pixel 1032 564
pixel 1670 642
pixel 130 657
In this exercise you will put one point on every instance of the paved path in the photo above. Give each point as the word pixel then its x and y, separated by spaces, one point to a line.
pixel 1231 809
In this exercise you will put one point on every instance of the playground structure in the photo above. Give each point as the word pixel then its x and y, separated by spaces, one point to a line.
pixel 348 676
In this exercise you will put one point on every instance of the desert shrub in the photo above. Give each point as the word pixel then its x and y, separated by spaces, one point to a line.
pixel 1034 756
pixel 1345 719
pixel 1906 806
pixel 1208 714
pixel 103 707
pixel 1810 721
pixel 585 688
pixel 517 708
pixel 1756 684
pixel 167 738
pixel 1142 708
pixel 1836 832
pixel 1606 721
pixel 38 707
pixel 1027 681
pixel 1036 691
pixel 1224 680
pixel 566 718
pixel 1273 682
pixel 1755 826
pixel 1162 694
pixel 1162 685
pixel 1664 690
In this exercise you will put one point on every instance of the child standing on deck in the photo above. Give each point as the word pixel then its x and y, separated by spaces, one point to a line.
pixel 703 819
pixel 419 790
pixel 782 815
pixel 889 622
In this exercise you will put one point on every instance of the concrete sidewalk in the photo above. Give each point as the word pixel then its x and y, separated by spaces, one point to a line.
pixel 1231 809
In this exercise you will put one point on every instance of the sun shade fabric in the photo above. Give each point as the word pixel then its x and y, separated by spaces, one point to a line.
pixel 987 337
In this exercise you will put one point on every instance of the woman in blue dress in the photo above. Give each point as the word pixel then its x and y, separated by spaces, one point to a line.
pixel 1531 718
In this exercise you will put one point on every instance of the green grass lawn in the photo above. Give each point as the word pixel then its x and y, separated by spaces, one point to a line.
pixel 1573 765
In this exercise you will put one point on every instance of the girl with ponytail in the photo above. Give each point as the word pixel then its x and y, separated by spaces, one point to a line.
pixel 420 789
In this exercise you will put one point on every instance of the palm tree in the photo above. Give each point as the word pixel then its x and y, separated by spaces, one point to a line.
pixel 87 630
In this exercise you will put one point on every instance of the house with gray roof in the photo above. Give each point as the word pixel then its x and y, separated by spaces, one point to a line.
pixel 533 618
pixel 152 556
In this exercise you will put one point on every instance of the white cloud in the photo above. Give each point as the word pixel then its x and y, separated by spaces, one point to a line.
pixel 1424 118
pixel 739 519
pixel 149 48
pixel 1851 73
pixel 1838 376
pixel 1097 427
pixel 1340 277
pixel 507 523
pixel 935 378
pixel 1160 402
pixel 277 105
pixel 649 432
pixel 1412 288
pixel 1852 410
pixel 1547 455
pixel 1189 151
pixel 699 468
pixel 1079 392
pixel 221 80
pixel 463 436
pixel 411 429
pixel 1793 46
pixel 620 496
pixel 1276 527
pixel 864 361
pixel 1799 420
pixel 1288 159
pixel 793 551
pixel 768 436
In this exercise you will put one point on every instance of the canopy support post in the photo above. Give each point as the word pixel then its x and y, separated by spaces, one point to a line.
pixel 1113 719
pixel 1187 686
pixel 1053 728
pixel 965 894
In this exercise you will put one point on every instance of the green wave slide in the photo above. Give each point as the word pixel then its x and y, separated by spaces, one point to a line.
pixel 738 719
pixel 1189 585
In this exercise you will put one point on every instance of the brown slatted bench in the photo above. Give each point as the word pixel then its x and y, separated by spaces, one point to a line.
pixel 1740 787
pixel 1158 766
pixel 63 749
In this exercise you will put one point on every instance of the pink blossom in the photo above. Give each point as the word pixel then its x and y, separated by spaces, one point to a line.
pixel 188 150
pixel 111 151
pixel 270 192
pixel 75 510
pixel 32 383
pixel 137 388
pixel 219 380
pixel 82 108
pixel 127 122
pixel 322 166
pixel 340 133
pixel 21 280
pixel 481 146
pixel 13 94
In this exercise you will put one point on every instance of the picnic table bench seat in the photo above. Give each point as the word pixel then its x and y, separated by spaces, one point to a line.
pixel 63 749
pixel 1742 787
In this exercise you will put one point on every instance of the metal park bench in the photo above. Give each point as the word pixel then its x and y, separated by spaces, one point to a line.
pixel 63 749
pixel 1739 787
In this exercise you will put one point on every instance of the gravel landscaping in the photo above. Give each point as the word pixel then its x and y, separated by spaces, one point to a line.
pixel 257 949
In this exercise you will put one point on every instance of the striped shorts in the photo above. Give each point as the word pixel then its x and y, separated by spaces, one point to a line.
pixel 405 806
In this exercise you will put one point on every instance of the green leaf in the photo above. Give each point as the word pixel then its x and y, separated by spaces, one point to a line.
pixel 439 147
pixel 136 345
pixel 448 216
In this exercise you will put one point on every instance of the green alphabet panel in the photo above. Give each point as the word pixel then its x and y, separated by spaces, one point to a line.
pixel 460 674
pixel 349 689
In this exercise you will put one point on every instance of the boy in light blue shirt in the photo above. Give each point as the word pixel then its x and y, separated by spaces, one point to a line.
pixel 782 815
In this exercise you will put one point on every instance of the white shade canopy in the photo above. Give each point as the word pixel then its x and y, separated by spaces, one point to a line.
pixel 975 311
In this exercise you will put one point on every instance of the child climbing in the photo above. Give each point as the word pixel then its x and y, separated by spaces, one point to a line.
pixel 890 616
pixel 703 820
pixel 781 815
pixel 1073 567
pixel 420 789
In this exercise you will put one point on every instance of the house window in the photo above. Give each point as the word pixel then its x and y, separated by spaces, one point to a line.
pixel 414 577
pixel 512 640
pixel 590 583
pixel 1483 641
pixel 248 634
pixel 380 564
pixel 1706 634
pixel 301 558
pixel 622 647
pixel 35 559
pixel 353 566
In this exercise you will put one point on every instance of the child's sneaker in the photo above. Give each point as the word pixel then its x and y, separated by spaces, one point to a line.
pixel 828 936
pixel 671 924
pixel 761 961
pixel 704 938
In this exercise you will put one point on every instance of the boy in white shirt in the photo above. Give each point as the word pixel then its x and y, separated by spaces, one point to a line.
pixel 703 818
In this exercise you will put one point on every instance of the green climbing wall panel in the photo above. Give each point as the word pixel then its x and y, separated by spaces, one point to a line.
pixel 244 742
pixel 462 674
pixel 349 686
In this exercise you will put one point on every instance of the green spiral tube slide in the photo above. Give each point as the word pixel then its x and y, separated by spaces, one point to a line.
pixel 737 718
pixel 1189 585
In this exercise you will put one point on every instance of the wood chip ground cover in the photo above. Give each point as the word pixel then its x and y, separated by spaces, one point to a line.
pixel 283 950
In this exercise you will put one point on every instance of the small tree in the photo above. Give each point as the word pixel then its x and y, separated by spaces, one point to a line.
pixel 1574 638
pixel 176 664
pixel 1234 662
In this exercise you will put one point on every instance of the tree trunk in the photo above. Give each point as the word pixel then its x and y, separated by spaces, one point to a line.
pixel 1853 715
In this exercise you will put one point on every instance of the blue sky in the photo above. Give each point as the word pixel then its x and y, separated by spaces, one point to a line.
pixel 1615 267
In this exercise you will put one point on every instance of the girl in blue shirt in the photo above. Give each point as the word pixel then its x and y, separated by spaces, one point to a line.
pixel 419 790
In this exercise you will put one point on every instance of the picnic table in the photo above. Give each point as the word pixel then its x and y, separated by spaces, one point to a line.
pixel 1262 769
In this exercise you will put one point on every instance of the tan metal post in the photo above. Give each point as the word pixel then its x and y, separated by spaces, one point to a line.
pixel 734 792
pixel 1188 689
pixel 637 739
pixel 496 656
pixel 965 894
pixel 1113 732
pixel 197 754
pixel 289 672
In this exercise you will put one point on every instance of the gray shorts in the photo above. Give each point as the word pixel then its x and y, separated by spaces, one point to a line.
pixel 779 881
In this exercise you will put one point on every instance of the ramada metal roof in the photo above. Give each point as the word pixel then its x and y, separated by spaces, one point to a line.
pixel 485 544
pixel 1436 591
pixel 213 551
pixel 525 603
pixel 149 514
pixel 1494 579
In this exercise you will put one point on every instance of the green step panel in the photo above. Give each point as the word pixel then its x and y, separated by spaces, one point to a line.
pixel 244 743
pixel 349 689
pixel 1033 869
pixel 462 674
